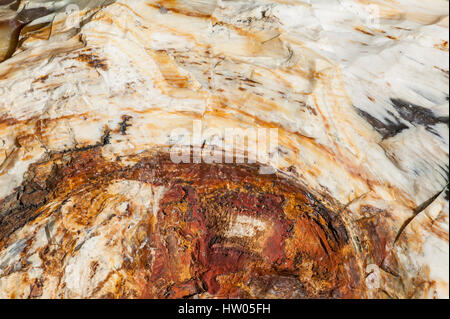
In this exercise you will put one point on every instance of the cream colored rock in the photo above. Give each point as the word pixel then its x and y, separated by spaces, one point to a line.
pixel 357 90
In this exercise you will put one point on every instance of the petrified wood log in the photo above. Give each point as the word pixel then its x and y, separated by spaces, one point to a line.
pixel 351 202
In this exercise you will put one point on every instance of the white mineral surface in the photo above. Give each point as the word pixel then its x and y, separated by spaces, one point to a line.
pixel 358 91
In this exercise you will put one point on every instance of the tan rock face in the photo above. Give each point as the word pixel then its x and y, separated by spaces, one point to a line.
pixel 350 202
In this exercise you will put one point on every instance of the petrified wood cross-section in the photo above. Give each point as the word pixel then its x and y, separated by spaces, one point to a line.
pixel 175 231
pixel 350 202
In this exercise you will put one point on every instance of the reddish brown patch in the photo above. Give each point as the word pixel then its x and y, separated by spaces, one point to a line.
pixel 364 30
pixel 375 232
pixel 302 251
pixel 9 121
pixel 443 46
pixel 36 289
pixel 392 37
pixel 177 8
pixel 93 61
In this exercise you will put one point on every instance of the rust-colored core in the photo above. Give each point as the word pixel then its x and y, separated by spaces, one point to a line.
pixel 221 230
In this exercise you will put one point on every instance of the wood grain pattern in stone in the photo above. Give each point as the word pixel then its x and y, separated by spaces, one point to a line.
pixel 91 207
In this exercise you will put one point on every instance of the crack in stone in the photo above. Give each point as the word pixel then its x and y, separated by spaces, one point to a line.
pixel 419 209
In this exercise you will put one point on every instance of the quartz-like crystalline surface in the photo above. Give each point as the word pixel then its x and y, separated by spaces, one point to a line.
pixel 351 201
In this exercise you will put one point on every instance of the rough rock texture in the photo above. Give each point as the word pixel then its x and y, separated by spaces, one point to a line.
pixel 92 206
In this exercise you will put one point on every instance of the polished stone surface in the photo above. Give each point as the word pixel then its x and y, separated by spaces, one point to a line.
pixel 357 89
